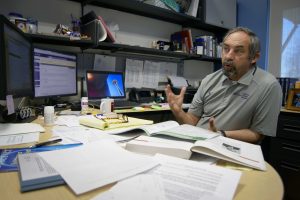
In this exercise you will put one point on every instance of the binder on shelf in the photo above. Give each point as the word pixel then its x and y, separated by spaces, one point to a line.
pixel 95 27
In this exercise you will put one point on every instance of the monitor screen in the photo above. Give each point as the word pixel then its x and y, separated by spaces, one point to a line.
pixel 15 61
pixel 103 84
pixel 55 73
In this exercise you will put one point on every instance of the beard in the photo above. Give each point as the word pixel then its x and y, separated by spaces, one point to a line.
pixel 229 69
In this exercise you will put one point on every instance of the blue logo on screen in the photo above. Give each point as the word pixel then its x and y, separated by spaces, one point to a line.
pixel 115 85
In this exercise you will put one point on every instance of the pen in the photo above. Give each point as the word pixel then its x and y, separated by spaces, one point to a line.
pixel 46 143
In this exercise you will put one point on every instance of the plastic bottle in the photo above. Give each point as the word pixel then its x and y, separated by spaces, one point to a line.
pixel 84 105
pixel 49 115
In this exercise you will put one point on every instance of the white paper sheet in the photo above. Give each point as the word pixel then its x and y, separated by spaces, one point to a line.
pixel 71 135
pixel 178 82
pixel 134 73
pixel 68 120
pixel 96 164
pixel 167 69
pixel 13 129
pixel 104 63
pixel 151 74
pixel 19 139
pixel 190 180
pixel 143 186
pixel 10 104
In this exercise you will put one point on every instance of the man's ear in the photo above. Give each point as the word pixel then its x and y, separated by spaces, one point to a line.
pixel 255 59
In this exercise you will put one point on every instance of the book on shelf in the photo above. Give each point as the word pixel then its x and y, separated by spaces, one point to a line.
pixel 213 145
pixel 193 8
pixel 35 173
pixel 286 84
pixel 182 41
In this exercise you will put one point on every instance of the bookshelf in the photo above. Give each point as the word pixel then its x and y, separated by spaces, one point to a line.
pixel 142 9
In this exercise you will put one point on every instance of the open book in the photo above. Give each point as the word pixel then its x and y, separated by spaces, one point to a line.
pixel 173 129
pixel 235 151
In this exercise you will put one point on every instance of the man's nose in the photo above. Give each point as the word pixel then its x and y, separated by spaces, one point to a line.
pixel 229 54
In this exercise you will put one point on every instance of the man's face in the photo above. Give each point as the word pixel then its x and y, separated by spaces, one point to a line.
pixel 235 55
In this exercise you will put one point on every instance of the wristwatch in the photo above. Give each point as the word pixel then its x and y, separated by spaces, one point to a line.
pixel 222 132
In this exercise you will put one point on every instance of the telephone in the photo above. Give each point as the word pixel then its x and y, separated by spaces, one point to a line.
pixel 141 95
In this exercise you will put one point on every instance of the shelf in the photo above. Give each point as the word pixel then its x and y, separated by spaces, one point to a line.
pixel 116 48
pixel 59 40
pixel 146 10
pixel 149 51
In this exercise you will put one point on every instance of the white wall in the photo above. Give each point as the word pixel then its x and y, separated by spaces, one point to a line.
pixel 275 29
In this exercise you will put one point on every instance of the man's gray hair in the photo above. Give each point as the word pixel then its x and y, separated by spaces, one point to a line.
pixel 254 45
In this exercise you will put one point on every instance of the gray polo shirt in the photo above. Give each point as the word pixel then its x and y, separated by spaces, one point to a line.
pixel 253 102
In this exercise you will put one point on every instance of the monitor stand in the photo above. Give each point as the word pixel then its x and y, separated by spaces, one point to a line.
pixel 51 101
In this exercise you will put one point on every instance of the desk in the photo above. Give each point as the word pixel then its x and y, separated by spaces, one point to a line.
pixel 254 184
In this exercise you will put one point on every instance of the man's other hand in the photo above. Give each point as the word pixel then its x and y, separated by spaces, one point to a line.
pixel 175 101
pixel 212 126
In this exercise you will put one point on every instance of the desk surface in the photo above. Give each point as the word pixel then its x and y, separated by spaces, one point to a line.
pixel 254 184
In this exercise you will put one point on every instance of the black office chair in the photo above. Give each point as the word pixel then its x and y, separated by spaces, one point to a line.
pixel 265 147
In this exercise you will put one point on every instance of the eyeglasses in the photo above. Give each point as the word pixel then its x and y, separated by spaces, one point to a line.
pixel 113 118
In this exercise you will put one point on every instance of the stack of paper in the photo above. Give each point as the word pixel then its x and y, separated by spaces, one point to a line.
pixel 96 164
pixel 94 122
pixel 35 173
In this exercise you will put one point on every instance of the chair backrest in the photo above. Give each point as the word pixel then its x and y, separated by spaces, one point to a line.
pixel 265 147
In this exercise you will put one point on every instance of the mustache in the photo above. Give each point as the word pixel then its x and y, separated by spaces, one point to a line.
pixel 228 62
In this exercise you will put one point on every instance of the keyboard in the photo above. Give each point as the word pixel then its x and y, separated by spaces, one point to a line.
pixel 123 104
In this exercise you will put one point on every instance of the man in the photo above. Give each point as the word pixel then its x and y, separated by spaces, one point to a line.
pixel 241 101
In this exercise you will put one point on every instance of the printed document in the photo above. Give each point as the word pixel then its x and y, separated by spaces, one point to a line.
pixel 13 129
pixel 19 139
pixel 134 73
pixel 177 179
pixel 96 164
pixel 167 69
pixel 190 180
pixel 143 186
pixel 151 74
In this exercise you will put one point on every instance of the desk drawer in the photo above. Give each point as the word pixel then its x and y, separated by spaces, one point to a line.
pixel 288 128
pixel 287 150
pixel 290 175
pixel 285 158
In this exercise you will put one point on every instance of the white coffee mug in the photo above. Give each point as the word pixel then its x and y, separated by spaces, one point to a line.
pixel 49 115
pixel 107 105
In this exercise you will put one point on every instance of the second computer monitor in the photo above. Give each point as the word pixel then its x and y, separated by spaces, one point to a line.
pixel 103 84
pixel 55 73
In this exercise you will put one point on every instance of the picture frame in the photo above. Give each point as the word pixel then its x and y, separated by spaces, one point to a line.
pixel 293 101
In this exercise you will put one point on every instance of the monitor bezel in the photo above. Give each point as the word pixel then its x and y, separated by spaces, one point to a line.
pixel 105 73
pixel 56 51
pixel 25 92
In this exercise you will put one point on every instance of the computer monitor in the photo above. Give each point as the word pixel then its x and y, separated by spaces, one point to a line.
pixel 55 73
pixel 15 61
pixel 103 84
